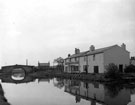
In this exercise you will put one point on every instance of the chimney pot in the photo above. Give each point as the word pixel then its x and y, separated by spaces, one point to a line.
pixel 68 55
pixel 92 48
pixel 123 46
pixel 77 51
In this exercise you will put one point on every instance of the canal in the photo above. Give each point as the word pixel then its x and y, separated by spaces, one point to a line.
pixel 55 91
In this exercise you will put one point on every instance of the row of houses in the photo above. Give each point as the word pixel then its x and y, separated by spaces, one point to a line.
pixel 95 60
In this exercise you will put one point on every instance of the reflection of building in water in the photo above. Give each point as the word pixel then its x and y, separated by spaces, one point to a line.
pixel 73 87
pixel 3 100
pixel 98 93
pixel 58 82
pixel 43 80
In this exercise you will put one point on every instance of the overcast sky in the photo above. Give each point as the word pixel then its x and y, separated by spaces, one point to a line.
pixel 42 30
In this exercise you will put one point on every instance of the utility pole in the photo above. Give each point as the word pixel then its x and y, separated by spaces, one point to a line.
pixel 26 61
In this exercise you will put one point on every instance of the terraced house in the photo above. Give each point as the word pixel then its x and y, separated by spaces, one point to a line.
pixel 96 60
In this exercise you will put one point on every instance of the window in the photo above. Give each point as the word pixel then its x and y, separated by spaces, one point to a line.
pixel 76 59
pixel 67 60
pixel 94 57
pixel 85 85
pixel 121 68
pixel 76 68
pixel 85 58
pixel 96 85
pixel 70 60
pixel 66 69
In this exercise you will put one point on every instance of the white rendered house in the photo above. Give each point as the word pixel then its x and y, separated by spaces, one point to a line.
pixel 96 60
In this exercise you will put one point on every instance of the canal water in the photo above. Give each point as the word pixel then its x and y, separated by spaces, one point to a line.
pixel 55 91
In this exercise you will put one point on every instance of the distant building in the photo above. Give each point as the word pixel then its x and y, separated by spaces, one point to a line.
pixel 43 66
pixel 132 60
pixel 96 60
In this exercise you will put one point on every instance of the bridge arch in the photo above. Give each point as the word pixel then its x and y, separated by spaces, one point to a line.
pixel 10 69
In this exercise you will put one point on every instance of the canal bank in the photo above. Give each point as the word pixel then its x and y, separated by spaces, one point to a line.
pixel 89 77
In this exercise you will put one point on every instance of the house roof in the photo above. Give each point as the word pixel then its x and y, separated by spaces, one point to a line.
pixel 101 50
pixel 78 55
pixel 132 58
pixel 44 64
pixel 96 51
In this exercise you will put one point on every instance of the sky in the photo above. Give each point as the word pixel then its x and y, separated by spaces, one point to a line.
pixel 43 30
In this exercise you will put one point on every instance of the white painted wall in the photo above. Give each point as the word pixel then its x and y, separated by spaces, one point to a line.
pixel 117 55
pixel 81 63
pixel 99 61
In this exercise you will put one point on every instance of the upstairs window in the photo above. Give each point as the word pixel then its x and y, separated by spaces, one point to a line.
pixel 85 58
pixel 75 59
pixel 67 60
pixel 96 85
pixel 94 57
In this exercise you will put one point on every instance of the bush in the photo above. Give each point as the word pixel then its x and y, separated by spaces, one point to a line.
pixel 112 71
pixel 130 69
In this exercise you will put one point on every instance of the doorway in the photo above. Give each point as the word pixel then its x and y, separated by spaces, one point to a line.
pixel 121 68
pixel 96 70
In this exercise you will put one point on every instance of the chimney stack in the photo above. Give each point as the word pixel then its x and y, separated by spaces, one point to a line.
pixel 26 61
pixel 77 51
pixel 68 55
pixel 92 48
pixel 123 46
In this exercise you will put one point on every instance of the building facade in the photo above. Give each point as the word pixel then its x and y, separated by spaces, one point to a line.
pixel 43 66
pixel 96 60
pixel 132 60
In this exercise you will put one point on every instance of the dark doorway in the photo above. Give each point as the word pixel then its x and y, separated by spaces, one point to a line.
pixel 121 68
pixel 85 67
pixel 96 69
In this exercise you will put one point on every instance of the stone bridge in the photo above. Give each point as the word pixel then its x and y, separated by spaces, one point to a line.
pixel 16 69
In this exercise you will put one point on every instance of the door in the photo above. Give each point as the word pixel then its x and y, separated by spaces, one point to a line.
pixel 121 68
pixel 96 69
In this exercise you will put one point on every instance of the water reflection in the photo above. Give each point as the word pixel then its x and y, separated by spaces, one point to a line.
pixel 18 74
pixel 58 82
pixel 17 78
pixel 98 93
pixel 68 92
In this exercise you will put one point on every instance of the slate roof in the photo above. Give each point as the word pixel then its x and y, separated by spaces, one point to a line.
pixel 79 54
pixel 101 50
